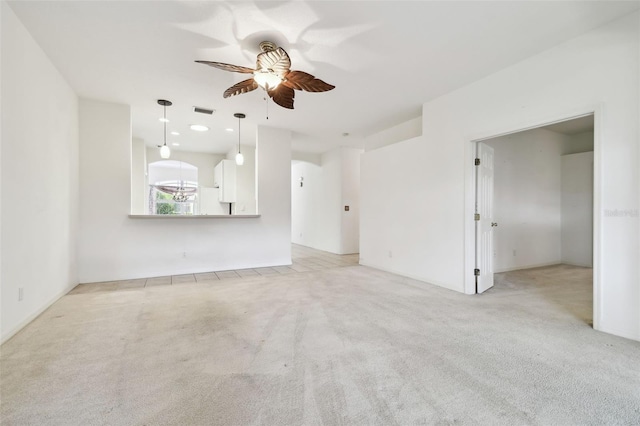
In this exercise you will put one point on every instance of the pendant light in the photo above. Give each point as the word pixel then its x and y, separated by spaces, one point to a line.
pixel 239 156
pixel 165 152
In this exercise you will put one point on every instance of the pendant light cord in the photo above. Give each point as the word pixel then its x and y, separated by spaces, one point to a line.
pixel 164 107
pixel 238 134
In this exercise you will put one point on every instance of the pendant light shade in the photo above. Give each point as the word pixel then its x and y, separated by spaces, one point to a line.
pixel 165 151
pixel 239 159
pixel 239 156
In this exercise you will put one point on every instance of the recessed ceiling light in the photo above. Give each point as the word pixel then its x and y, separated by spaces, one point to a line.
pixel 198 127
pixel 164 120
pixel 175 133
pixel 175 144
pixel 229 130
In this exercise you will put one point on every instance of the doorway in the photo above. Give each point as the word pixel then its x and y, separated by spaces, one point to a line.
pixel 534 202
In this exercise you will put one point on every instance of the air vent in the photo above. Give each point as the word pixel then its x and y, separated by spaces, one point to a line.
pixel 203 110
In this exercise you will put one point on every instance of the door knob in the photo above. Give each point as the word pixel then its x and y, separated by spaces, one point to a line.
pixel 494 224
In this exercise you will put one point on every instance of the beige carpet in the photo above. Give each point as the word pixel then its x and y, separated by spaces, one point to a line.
pixel 348 345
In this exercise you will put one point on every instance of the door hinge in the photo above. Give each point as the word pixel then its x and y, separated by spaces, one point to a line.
pixel 476 272
pixel 477 163
pixel 476 216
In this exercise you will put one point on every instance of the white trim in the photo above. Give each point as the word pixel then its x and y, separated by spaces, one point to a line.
pixel 597 217
pixel 9 334
pixel 580 265
pixel 519 268
pixel 469 196
pixel 403 274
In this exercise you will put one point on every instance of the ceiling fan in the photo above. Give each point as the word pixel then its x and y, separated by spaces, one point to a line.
pixel 273 73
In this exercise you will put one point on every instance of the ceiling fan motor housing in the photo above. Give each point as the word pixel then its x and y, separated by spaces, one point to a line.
pixel 267 46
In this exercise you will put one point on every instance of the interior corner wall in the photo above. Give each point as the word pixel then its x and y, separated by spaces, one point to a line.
pixel 273 192
pixel 307 206
pixel 315 214
pixel 319 219
pixel 418 219
pixel 39 179
pixel 113 246
pixel 527 199
pixel 577 209
pixel 580 142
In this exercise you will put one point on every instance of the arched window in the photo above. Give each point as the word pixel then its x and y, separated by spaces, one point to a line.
pixel 173 187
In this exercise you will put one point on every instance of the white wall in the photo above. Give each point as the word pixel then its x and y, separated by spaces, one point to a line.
pixel 417 195
pixel 171 171
pixel 527 206
pixel 139 189
pixel 318 216
pixel 113 246
pixel 350 182
pixel 330 199
pixel 39 178
pixel 315 206
pixel 543 201
pixel 308 157
pixel 577 209
pixel 308 226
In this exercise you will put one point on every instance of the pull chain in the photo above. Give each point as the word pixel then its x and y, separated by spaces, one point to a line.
pixel 267 105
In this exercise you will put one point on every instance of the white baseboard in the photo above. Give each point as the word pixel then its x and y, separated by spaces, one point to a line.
pixel 517 268
pixel 577 264
pixel 9 334
pixel 413 277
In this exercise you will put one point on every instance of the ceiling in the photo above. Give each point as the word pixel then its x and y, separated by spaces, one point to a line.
pixel 385 58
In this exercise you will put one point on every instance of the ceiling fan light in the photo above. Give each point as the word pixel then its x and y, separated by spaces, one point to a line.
pixel 239 159
pixel 165 152
pixel 266 78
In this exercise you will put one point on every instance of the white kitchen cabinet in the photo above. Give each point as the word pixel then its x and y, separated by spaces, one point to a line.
pixel 225 180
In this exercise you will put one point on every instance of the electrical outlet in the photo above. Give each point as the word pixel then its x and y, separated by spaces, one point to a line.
pixel 184 254
pixel 20 294
pixel 390 253
pixel 514 253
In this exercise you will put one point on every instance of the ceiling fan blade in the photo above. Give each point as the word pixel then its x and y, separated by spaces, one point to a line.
pixel 242 87
pixel 283 96
pixel 227 67
pixel 300 80
pixel 277 60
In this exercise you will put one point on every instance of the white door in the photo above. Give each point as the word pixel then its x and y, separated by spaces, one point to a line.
pixel 485 224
